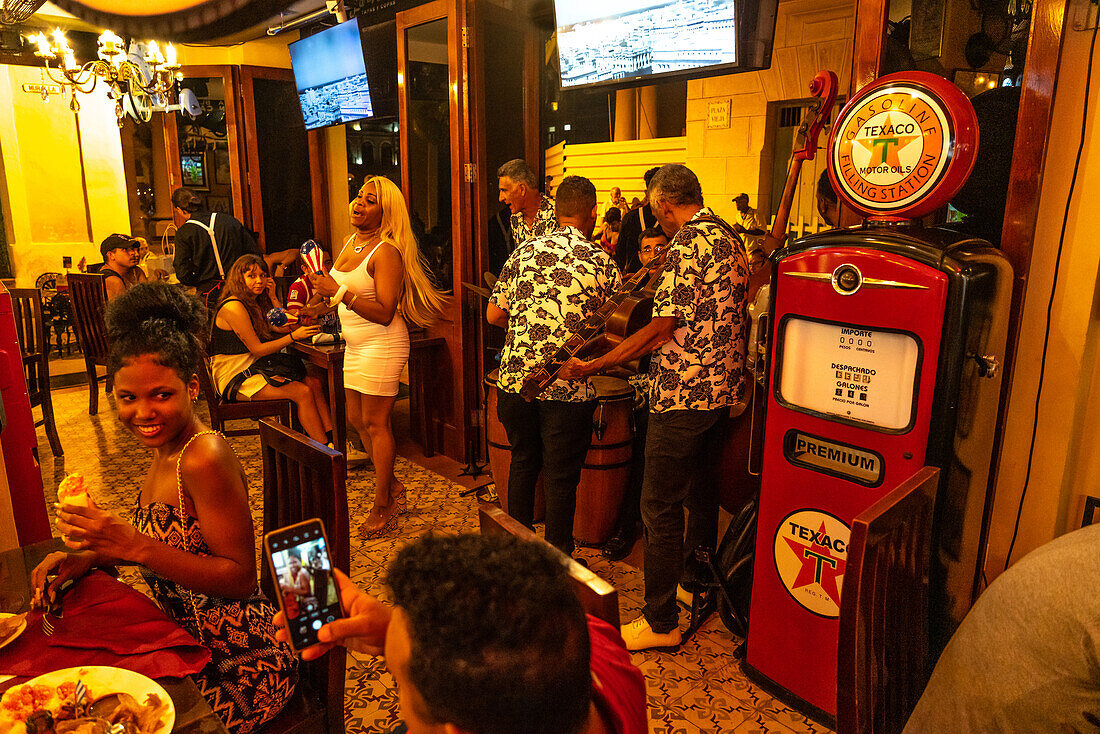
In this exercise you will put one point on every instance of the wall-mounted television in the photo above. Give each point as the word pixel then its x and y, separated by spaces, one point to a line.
pixel 628 42
pixel 331 76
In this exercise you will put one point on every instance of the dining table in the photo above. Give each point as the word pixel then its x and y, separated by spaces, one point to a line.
pixel 329 359
pixel 193 713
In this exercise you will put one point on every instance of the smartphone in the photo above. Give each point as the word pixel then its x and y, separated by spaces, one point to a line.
pixel 298 559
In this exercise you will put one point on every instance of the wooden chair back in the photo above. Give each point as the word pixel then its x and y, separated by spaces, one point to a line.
pixel 34 340
pixel 597 596
pixel 305 479
pixel 882 662
pixel 89 301
pixel 222 410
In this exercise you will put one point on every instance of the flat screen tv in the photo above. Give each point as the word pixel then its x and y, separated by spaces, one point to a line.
pixel 628 42
pixel 331 76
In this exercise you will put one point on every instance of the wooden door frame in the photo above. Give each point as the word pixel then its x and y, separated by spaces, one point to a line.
pixel 230 76
pixel 478 13
pixel 456 326
pixel 247 74
pixel 1033 122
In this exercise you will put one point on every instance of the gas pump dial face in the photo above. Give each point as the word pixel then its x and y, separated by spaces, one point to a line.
pixel 903 146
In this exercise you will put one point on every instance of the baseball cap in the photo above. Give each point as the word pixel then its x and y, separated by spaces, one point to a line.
pixel 117 242
pixel 741 197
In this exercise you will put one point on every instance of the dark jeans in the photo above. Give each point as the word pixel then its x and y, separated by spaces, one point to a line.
pixel 551 437
pixel 681 454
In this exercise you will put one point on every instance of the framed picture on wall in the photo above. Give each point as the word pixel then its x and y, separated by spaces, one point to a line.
pixel 194 170
pixel 222 173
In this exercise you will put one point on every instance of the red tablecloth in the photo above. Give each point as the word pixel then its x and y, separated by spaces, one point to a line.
pixel 105 622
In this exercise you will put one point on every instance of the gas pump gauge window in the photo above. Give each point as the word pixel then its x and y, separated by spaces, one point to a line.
pixel 847 371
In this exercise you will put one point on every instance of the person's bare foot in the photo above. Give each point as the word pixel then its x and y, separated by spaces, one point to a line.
pixel 380 521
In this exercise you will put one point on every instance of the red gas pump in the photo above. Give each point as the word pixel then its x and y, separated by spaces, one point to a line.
pixel 17 436
pixel 885 340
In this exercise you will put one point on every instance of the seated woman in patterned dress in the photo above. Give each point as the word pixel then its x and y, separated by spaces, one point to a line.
pixel 192 529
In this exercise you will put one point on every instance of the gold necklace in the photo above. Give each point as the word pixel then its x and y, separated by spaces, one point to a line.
pixel 369 240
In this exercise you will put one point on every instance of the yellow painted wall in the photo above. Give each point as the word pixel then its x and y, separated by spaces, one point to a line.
pixel 1066 460
pixel 267 51
pixel 45 175
pixel 337 168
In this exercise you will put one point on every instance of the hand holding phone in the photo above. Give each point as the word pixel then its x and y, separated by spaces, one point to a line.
pixel 362 630
pixel 298 559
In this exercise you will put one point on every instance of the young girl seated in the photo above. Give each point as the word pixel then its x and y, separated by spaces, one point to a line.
pixel 192 529
pixel 246 353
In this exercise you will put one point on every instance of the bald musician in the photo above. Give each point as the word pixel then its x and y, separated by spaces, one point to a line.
pixel 695 376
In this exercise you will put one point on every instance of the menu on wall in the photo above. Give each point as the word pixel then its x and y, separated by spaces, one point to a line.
pixel 856 373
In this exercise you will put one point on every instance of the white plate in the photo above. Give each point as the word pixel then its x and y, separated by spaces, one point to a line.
pixel 102 680
pixel 18 631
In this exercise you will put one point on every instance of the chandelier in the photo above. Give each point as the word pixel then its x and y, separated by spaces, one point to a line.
pixel 141 77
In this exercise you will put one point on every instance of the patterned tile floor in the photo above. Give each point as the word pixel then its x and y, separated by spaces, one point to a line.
pixel 701 688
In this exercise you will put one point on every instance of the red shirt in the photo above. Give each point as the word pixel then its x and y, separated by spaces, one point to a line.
pixel 618 688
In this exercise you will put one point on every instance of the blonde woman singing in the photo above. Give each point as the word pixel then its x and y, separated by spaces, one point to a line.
pixel 385 285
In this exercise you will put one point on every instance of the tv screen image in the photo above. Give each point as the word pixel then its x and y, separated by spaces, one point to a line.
pixel 331 76
pixel 620 41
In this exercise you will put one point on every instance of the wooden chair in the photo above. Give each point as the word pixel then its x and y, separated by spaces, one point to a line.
pixel 304 479
pixel 882 661
pixel 34 339
pixel 89 300
pixel 598 597
pixel 222 410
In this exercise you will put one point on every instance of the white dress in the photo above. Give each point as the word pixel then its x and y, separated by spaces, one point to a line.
pixel 375 354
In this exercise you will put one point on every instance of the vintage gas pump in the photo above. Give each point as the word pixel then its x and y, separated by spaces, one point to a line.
pixel 886 342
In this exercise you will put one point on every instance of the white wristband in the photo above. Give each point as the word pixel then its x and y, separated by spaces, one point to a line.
pixel 335 300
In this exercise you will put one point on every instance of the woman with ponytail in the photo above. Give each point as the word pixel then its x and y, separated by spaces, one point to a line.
pixel 382 283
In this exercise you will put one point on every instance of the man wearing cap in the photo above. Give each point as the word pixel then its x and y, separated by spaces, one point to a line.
pixel 120 264
pixel 749 224
pixel 207 245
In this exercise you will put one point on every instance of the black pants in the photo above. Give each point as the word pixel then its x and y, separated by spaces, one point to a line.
pixel 681 453
pixel 551 437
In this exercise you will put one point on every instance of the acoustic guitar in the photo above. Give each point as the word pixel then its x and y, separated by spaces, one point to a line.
pixel 576 343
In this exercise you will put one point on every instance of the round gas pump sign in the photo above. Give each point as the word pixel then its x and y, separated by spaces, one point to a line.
pixel 903 146
pixel 811 551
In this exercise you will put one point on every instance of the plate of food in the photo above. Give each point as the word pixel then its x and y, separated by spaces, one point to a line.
pixel 110 696
pixel 11 626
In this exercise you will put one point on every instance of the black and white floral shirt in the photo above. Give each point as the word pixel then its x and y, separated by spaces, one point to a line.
pixel 703 285
pixel 546 221
pixel 549 286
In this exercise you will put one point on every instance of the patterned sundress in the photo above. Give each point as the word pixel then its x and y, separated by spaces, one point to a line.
pixel 251 675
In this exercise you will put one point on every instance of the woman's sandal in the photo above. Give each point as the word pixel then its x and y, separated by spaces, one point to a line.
pixel 389 525
pixel 401 500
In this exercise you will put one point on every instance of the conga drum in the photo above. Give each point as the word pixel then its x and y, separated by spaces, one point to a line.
pixel 606 470
pixel 500 451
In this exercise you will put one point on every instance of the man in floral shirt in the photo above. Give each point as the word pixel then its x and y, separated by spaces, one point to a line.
pixel 532 212
pixel 695 376
pixel 547 289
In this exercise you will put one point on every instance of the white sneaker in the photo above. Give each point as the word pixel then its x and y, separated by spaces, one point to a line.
pixel 638 635
pixel 355 457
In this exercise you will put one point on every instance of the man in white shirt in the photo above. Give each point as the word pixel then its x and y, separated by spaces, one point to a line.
pixel 750 225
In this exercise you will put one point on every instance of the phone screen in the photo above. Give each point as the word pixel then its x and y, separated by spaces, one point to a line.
pixel 303 577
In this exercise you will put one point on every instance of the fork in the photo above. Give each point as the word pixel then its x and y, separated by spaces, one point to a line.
pixel 54 610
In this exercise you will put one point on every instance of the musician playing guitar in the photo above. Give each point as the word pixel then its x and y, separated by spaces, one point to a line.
pixel 549 287
pixel 697 339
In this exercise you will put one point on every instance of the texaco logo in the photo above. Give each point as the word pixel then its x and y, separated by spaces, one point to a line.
pixel 892 148
pixel 811 551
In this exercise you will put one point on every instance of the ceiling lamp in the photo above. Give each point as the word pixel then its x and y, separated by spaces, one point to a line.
pixel 140 78
pixel 13 12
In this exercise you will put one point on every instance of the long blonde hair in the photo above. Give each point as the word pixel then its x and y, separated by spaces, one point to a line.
pixel 420 303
